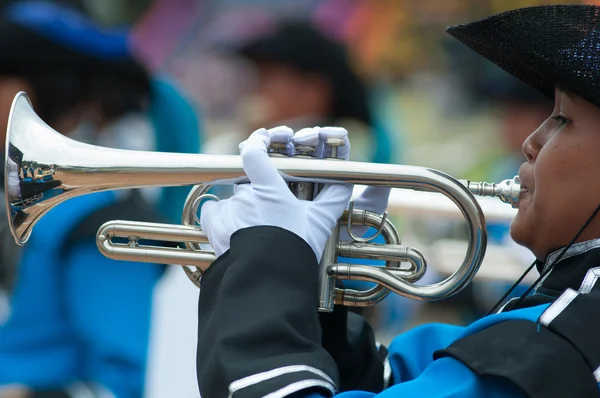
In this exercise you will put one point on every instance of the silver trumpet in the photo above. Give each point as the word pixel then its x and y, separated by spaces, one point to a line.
pixel 44 168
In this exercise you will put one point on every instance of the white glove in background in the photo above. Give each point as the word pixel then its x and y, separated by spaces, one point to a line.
pixel 267 200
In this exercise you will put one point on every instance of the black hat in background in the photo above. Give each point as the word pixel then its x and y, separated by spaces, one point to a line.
pixel 300 45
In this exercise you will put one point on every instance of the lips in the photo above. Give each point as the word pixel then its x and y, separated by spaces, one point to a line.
pixel 526 180
pixel 524 187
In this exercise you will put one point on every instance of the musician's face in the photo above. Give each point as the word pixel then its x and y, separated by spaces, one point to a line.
pixel 560 191
pixel 286 94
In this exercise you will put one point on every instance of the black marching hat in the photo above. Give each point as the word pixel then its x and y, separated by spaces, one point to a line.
pixel 303 47
pixel 543 46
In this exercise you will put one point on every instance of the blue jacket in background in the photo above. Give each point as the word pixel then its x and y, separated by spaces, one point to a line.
pixel 76 315
pixel 177 129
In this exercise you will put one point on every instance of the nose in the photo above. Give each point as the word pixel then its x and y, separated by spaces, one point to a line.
pixel 532 146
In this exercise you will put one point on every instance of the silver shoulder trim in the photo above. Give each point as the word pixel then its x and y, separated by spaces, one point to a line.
pixel 591 277
pixel 558 306
pixel 597 375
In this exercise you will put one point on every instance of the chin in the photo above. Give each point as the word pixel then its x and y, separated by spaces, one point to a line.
pixel 522 237
pixel 519 233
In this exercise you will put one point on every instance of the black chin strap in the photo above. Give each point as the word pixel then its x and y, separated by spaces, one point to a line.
pixel 545 272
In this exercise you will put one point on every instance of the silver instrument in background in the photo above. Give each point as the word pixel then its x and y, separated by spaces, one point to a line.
pixel 44 168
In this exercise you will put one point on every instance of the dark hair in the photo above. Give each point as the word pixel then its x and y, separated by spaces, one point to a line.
pixel 62 77
pixel 304 47
pixel 57 91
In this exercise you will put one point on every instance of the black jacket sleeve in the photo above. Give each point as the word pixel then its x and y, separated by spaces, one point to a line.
pixel 350 340
pixel 258 325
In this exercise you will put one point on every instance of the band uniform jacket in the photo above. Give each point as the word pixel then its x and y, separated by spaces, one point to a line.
pixel 260 334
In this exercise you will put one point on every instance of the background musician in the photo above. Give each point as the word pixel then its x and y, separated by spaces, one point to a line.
pixel 77 322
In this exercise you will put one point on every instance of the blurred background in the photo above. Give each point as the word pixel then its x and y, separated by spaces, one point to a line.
pixel 384 69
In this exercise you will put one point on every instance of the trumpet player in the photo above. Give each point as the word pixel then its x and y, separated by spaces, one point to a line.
pixel 260 333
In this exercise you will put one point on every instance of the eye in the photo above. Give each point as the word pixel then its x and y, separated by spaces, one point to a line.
pixel 561 120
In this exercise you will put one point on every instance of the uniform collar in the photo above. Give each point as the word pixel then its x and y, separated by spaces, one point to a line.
pixel 571 269
pixel 575 250
pixel 569 272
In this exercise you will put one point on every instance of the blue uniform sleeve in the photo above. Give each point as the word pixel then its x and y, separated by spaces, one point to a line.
pixel 415 374
pixel 444 378
pixel 412 352
pixel 110 305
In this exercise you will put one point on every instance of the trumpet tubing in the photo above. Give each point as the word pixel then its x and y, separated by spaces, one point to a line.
pixel 44 169
pixel 137 251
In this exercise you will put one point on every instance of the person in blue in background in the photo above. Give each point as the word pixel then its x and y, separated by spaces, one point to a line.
pixel 259 331
pixel 78 323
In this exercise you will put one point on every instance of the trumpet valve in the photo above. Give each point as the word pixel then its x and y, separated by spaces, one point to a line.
pixel 305 151
pixel 334 143
pixel 277 149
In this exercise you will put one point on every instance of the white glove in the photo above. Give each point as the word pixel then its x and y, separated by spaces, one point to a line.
pixel 310 136
pixel 373 199
pixel 267 200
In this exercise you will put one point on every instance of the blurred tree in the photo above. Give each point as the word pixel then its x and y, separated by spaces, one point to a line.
pixel 400 37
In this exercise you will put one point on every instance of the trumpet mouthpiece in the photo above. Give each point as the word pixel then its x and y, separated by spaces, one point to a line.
pixel 507 191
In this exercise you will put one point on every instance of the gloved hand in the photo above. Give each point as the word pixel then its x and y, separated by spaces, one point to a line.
pixel 373 199
pixel 309 136
pixel 267 200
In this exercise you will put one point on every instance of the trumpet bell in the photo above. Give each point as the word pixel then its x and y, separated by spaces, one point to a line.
pixel 28 183
pixel 44 168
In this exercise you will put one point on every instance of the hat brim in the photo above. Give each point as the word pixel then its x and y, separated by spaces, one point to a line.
pixel 543 46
